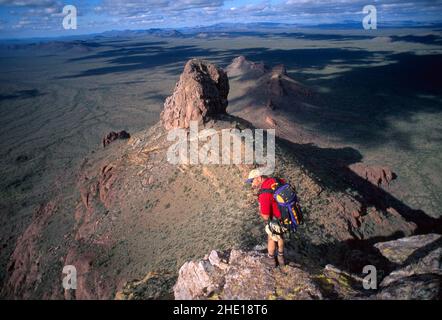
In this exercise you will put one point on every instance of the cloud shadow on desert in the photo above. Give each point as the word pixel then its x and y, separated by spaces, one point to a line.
pixel 21 94
pixel 140 58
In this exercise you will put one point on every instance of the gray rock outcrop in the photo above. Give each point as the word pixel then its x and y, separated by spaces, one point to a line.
pixel 241 275
pixel 419 275
pixel 244 275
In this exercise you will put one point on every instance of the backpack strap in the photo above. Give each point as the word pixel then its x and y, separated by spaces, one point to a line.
pixel 270 191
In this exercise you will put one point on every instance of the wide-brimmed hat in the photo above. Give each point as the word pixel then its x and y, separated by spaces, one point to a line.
pixel 255 173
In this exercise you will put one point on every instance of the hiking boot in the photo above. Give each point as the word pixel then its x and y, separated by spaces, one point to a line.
pixel 281 260
pixel 270 261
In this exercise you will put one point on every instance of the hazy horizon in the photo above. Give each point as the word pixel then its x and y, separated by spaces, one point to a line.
pixel 44 18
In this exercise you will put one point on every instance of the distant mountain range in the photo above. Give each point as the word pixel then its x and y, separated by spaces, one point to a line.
pixel 257 27
pixel 226 29
pixel 135 33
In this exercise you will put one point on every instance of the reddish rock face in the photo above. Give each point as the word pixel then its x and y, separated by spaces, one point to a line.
pixel 200 93
pixel 24 272
pixel 377 175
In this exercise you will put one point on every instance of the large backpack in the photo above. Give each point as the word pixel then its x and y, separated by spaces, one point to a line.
pixel 285 196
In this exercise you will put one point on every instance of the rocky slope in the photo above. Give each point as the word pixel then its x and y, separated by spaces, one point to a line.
pixel 135 212
pixel 244 275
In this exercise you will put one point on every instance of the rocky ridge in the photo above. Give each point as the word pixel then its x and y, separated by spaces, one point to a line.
pixel 245 275
pixel 134 209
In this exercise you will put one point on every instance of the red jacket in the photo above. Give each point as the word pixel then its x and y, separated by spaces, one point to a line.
pixel 267 204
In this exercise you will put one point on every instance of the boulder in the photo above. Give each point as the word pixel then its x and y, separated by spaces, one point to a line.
pixel 248 277
pixel 340 284
pixel 243 275
pixel 398 251
pixel 417 287
pixel 430 264
pixel 197 280
pixel 420 274
pixel 218 259
pixel 417 255
pixel 200 94
pixel 112 136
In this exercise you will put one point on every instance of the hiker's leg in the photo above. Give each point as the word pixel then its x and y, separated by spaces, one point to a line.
pixel 281 246
pixel 271 246
pixel 281 260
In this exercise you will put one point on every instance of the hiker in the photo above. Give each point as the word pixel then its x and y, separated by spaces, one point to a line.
pixel 280 210
pixel 269 212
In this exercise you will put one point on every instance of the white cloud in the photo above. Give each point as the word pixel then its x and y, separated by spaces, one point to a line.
pixel 28 3
pixel 166 13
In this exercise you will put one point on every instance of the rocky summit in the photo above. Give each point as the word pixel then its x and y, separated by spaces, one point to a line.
pixel 200 93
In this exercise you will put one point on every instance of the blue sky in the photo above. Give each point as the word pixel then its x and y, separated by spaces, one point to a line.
pixel 26 18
